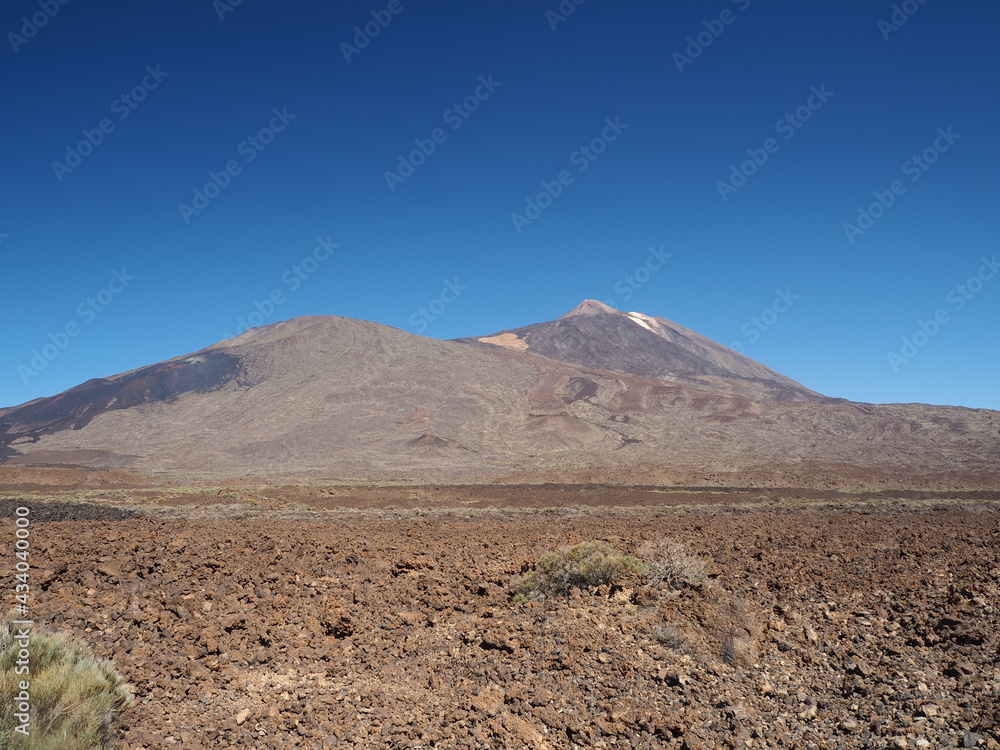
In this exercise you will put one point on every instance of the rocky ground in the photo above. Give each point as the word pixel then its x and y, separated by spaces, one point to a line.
pixel 836 623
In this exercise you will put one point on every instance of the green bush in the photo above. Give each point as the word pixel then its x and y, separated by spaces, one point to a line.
pixel 580 566
pixel 76 699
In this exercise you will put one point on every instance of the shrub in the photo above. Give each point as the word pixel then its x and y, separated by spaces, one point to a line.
pixel 672 637
pixel 76 699
pixel 580 566
pixel 672 564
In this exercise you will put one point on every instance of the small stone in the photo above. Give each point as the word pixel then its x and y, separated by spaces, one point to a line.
pixel 242 716
pixel 490 700
pixel 113 570
pixel 411 618
pixel 899 741
pixel 971 739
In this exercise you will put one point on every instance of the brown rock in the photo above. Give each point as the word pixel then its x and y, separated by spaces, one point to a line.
pixel 489 700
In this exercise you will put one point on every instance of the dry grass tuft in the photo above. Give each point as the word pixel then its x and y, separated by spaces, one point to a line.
pixel 672 637
pixel 76 700
pixel 672 564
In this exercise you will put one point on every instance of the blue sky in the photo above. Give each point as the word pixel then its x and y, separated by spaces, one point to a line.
pixel 454 168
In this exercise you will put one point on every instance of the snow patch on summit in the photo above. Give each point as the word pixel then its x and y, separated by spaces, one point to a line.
pixel 644 320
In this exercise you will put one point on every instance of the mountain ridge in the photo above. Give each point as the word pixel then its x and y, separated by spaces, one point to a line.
pixel 639 344
pixel 327 398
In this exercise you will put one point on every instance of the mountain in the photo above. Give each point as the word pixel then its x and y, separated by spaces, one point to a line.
pixel 595 335
pixel 595 396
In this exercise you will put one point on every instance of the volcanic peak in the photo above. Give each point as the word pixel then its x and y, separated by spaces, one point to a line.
pixel 590 307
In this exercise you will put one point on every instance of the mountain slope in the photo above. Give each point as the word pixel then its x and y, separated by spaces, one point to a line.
pixel 330 398
pixel 595 335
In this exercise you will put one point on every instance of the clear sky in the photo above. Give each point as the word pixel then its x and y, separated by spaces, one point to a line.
pixel 457 168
